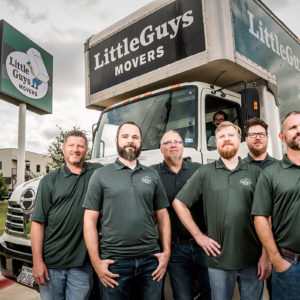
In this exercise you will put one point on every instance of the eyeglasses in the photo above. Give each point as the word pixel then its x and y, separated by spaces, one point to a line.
pixel 175 142
pixel 257 134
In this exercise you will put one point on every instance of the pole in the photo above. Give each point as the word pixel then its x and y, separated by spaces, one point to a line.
pixel 21 144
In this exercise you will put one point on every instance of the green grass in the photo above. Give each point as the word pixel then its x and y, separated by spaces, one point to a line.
pixel 3 210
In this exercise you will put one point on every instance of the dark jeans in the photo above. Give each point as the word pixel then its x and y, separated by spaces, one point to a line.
pixel 286 285
pixel 187 264
pixel 135 275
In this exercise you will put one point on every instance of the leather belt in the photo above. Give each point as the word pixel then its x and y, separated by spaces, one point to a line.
pixel 185 241
pixel 293 256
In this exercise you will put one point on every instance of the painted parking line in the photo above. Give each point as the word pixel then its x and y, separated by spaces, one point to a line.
pixel 4 282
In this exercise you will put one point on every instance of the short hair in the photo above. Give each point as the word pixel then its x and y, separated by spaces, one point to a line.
pixel 255 122
pixel 78 133
pixel 291 113
pixel 221 112
pixel 226 124
pixel 129 123
pixel 171 130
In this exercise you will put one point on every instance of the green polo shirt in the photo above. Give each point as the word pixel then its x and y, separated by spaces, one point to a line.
pixel 58 205
pixel 262 164
pixel 278 195
pixel 173 182
pixel 227 201
pixel 127 200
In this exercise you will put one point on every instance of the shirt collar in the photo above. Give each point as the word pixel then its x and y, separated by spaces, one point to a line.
pixel 166 169
pixel 250 158
pixel 66 171
pixel 286 163
pixel 119 165
pixel 241 165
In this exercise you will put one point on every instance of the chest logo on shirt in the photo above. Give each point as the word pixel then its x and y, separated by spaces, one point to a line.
pixel 146 179
pixel 246 181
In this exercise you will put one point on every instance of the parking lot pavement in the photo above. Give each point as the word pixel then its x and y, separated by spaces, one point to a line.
pixel 14 291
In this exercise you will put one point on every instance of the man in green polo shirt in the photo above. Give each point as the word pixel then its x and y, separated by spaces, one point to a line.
pixel 277 195
pixel 61 265
pixel 256 131
pixel 226 188
pixel 131 199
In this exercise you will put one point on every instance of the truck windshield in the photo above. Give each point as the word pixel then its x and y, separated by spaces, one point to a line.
pixel 173 109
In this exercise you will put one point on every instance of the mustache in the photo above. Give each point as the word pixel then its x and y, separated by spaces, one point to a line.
pixel 130 145
pixel 227 143
pixel 298 134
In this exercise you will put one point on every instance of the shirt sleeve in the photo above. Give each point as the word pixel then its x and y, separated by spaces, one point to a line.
pixel 263 196
pixel 160 196
pixel 94 196
pixel 192 190
pixel 42 202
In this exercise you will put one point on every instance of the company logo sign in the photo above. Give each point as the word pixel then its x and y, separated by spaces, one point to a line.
pixel 167 35
pixel 28 73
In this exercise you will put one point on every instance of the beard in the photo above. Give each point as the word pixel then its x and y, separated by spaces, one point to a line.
pixel 228 153
pixel 293 143
pixel 257 152
pixel 175 158
pixel 130 154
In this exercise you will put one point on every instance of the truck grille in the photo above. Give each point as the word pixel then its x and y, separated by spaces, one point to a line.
pixel 14 219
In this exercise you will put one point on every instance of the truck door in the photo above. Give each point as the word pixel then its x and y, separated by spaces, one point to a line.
pixel 228 106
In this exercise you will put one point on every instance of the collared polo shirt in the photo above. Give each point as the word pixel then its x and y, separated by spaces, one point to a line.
pixel 227 200
pixel 127 200
pixel 173 182
pixel 278 195
pixel 262 164
pixel 58 205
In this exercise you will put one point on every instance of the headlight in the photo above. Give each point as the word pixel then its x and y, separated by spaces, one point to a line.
pixel 27 200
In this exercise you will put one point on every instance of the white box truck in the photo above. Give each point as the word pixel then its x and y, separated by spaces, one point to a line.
pixel 172 65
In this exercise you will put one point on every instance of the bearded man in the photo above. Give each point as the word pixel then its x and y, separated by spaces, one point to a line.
pixel 256 131
pixel 188 260
pixel 127 198
pixel 277 196
pixel 226 188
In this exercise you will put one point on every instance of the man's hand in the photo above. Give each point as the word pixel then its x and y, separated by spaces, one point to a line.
pixel 40 273
pixel 264 267
pixel 106 277
pixel 209 245
pixel 163 259
pixel 281 265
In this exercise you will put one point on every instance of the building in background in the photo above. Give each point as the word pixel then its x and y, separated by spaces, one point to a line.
pixel 36 165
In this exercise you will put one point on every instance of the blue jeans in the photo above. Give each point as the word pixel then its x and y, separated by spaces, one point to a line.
pixel 222 284
pixel 187 264
pixel 135 275
pixel 286 285
pixel 68 284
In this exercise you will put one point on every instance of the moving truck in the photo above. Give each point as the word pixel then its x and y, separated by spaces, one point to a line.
pixel 172 65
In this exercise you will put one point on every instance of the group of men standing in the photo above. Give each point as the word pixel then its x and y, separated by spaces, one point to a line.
pixel 217 224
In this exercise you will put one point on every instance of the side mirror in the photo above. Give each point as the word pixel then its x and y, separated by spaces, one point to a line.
pixel 250 104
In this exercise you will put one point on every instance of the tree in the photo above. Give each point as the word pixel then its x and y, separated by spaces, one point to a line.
pixel 3 186
pixel 55 151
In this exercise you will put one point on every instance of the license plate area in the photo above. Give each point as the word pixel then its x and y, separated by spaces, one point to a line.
pixel 25 277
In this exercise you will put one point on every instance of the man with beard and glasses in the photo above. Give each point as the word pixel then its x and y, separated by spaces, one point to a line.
pixel 128 198
pixel 61 265
pixel 187 261
pixel 256 131
pixel 277 195
pixel 226 188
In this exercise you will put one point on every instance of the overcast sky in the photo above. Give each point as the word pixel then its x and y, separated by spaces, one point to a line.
pixel 61 27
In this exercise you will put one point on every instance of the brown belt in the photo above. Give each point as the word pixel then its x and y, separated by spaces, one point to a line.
pixel 290 255
pixel 185 241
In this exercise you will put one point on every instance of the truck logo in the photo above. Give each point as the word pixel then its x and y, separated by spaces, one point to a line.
pixel 28 73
